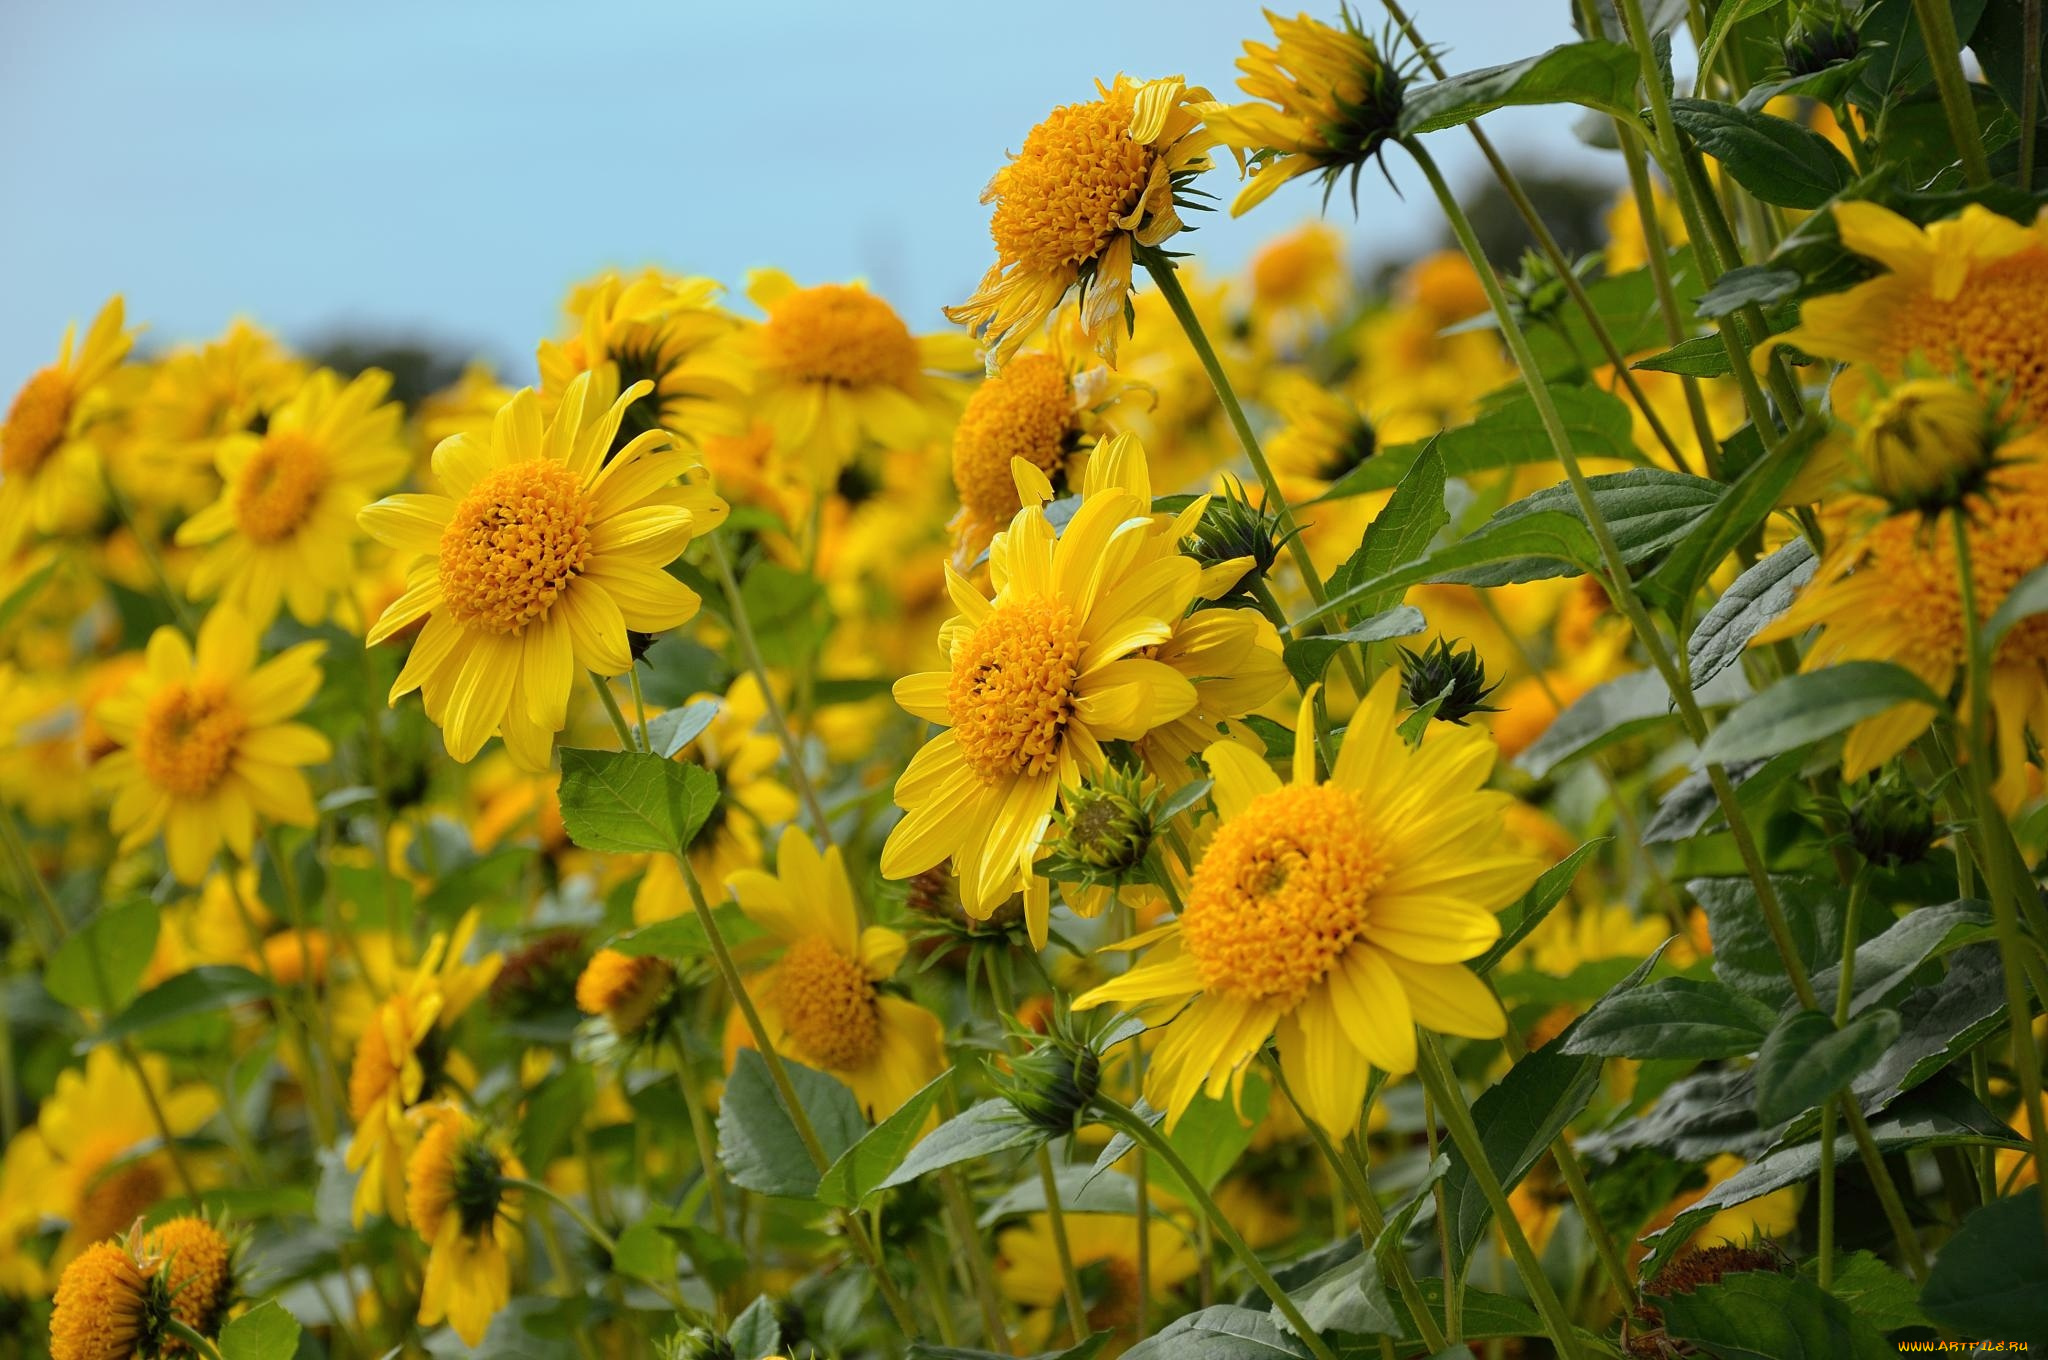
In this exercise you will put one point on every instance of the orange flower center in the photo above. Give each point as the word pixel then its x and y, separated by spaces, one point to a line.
pixel 1282 892
pixel 1994 324
pixel 827 1005
pixel 2008 538
pixel 188 737
pixel 99 1312
pixel 1012 691
pixel 1026 411
pixel 1062 199
pixel 513 545
pixel 1116 1298
pixel 35 422
pixel 279 486
pixel 112 1202
pixel 840 335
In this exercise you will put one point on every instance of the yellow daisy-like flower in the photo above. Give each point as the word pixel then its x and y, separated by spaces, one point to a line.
pixel 1300 284
pixel 198 1266
pixel 197 396
pixel 50 468
pixel 1094 181
pixel 206 743
pixel 1972 288
pixel 743 754
pixel 398 1063
pixel 1104 1251
pixel 623 988
pixel 460 1205
pixel 835 367
pixel 1039 677
pixel 1331 102
pixel 657 328
pixel 1333 917
pixel 283 529
pixel 1892 593
pixel 104 1307
pixel 548 546
pixel 819 1001
pixel 1043 407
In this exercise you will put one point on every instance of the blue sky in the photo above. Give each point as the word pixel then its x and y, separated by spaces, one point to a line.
pixel 447 168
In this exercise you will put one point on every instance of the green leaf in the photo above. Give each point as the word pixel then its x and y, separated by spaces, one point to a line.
pixel 1745 956
pixel 1735 516
pixel 1762 1315
pixel 1086 1349
pixel 1730 13
pixel 1775 159
pixel 683 937
pixel 1807 1060
pixel 1509 434
pixel 1801 709
pixel 645 1252
pixel 1517 921
pixel 1307 658
pixel 1674 1017
pixel 1692 804
pixel 265 1332
pixel 1703 356
pixel 488 878
pixel 1212 1134
pixel 668 733
pixel 1613 711
pixel 988 1127
pixel 1991 1279
pixel 1747 284
pixel 1937 1025
pixel 626 802
pixel 1081 1191
pixel 554 1109
pixel 860 1170
pixel 1646 509
pixel 1222 1332
pixel 1939 1114
pixel 1534 544
pixel 1402 531
pixel 758 1141
pixel 1874 1291
pixel 1885 963
pixel 1351 1297
pixel 196 991
pixel 1595 74
pixel 1755 598
pixel 1486 1315
pixel 756 1333
pixel 788 611
pixel 98 967
pixel 1518 1118
pixel 2028 597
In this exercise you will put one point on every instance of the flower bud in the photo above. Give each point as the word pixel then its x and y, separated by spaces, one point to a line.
pixel 1232 529
pixel 1926 443
pixel 1823 34
pixel 1453 675
pixel 1053 1084
pixel 1107 824
pixel 1893 824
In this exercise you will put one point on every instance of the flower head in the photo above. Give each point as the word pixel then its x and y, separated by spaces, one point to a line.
pixel 1454 679
pixel 624 990
pixel 1093 181
pixel 1332 917
pixel 548 547
pixel 1331 102
pixel 197 1261
pixel 107 1308
pixel 50 466
pixel 207 748
pixel 1925 443
pixel 460 1205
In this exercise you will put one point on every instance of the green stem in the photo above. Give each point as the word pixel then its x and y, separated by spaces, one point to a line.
pixel 1449 1096
pixel 1149 1138
pixel 1056 1218
pixel 1845 988
pixel 201 1347
pixel 750 649
pixel 700 1131
pixel 1944 54
pixel 627 739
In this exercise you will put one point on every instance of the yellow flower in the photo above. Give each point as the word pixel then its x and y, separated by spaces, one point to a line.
pixel 1973 288
pixel 835 367
pixel 1333 917
pixel 1924 443
pixel 106 1307
pixel 50 468
pixel 400 1061
pixel 1043 407
pixel 819 1002
pixel 1891 593
pixel 743 754
pixel 198 395
pixel 198 1267
pixel 1039 677
pixel 1626 247
pixel 1105 1255
pixel 1093 181
pixel 284 527
pixel 1331 104
pixel 1299 283
pixel 207 747
pixel 92 1159
pixel 547 548
pixel 657 328
pixel 459 1204
pixel 625 989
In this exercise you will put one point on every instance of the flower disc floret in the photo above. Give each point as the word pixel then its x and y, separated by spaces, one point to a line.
pixel 188 738
pixel 841 335
pixel 102 1306
pixel 1283 891
pixel 1012 691
pixel 36 421
pixel 1072 187
pixel 827 1004
pixel 198 1263
pixel 1026 411
pixel 279 486
pixel 513 545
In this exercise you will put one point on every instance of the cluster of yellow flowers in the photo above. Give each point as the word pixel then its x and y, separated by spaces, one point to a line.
pixel 841 724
